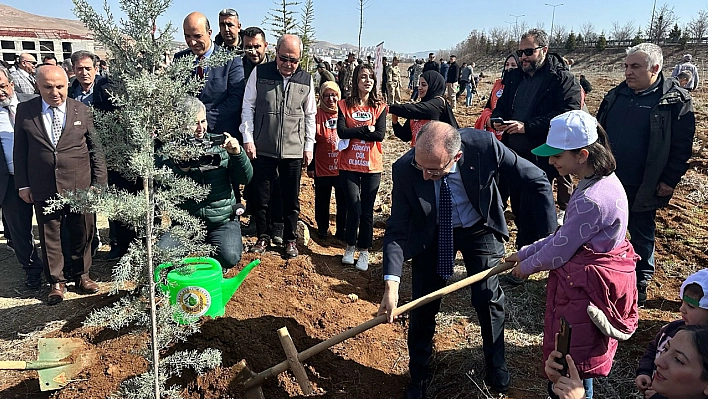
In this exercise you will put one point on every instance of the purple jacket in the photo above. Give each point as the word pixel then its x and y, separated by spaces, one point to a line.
pixel 604 280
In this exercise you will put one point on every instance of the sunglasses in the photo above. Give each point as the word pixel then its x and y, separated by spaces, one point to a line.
pixel 527 51
pixel 288 59
pixel 31 62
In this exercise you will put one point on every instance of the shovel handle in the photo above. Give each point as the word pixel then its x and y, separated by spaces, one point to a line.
pixel 31 365
pixel 307 353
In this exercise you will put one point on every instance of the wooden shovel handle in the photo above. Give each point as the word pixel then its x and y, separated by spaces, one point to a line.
pixel 31 365
pixel 307 353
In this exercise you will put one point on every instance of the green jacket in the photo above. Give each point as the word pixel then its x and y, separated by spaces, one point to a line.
pixel 673 125
pixel 217 208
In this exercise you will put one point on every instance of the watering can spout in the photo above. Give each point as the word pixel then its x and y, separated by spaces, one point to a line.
pixel 230 285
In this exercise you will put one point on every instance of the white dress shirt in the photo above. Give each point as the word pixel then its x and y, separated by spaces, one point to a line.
pixel 48 114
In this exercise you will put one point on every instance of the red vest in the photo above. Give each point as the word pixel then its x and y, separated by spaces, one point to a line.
pixel 326 153
pixel 361 156
pixel 416 125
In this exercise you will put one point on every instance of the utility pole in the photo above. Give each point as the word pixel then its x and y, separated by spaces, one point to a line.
pixel 516 23
pixel 550 37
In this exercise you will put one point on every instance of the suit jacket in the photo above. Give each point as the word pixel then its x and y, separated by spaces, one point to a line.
pixel 101 100
pixel 4 171
pixel 76 163
pixel 412 225
pixel 222 93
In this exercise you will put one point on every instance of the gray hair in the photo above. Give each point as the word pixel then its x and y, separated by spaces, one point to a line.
pixel 228 12
pixel 539 36
pixel 441 132
pixel 7 74
pixel 282 39
pixel 191 105
pixel 653 53
pixel 81 54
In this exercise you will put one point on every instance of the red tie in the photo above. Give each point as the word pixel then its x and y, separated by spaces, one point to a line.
pixel 200 70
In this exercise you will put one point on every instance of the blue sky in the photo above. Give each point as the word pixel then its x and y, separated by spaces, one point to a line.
pixel 410 25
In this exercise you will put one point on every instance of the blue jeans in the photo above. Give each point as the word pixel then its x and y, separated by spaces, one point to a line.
pixel 226 238
pixel 470 95
pixel 587 385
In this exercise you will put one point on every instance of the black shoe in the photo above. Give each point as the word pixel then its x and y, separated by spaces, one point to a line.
pixel 641 294
pixel 498 379
pixel 34 281
pixel 260 246
pixel 248 230
pixel 278 229
pixel 414 391
pixel 291 250
pixel 115 253
pixel 322 234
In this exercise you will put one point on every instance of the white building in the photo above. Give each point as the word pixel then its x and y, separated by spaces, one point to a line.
pixel 41 42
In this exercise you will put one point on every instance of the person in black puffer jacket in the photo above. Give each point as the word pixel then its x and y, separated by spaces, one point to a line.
pixel 222 168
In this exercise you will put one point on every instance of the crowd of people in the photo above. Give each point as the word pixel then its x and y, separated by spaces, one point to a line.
pixel 450 190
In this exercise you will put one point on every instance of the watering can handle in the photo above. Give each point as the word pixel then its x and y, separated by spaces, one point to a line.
pixel 210 263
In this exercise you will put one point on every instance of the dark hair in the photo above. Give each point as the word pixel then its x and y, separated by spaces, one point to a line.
pixel 354 99
pixel 600 156
pixel 49 57
pixel 694 290
pixel 253 31
pixel 699 337
pixel 81 54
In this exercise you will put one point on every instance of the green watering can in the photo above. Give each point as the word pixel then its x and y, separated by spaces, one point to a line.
pixel 201 289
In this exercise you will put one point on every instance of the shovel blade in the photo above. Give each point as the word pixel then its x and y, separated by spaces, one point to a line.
pixel 73 350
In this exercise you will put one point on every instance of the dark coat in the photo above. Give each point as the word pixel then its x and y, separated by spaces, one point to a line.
pixel 101 99
pixel 673 125
pixel 431 66
pixel 222 94
pixel 76 163
pixel 411 228
pixel 559 92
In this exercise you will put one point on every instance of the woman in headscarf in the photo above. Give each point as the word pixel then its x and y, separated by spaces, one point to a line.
pixel 511 62
pixel 325 166
pixel 432 107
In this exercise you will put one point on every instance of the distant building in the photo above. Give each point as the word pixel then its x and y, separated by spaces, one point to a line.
pixel 42 42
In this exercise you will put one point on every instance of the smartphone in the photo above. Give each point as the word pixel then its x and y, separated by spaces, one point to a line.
pixel 497 120
pixel 564 343
pixel 217 139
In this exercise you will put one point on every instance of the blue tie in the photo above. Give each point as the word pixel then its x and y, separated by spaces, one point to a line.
pixel 446 249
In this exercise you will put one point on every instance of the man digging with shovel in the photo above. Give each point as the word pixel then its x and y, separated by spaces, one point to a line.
pixel 445 199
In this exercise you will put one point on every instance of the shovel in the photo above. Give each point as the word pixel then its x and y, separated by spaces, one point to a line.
pixel 59 361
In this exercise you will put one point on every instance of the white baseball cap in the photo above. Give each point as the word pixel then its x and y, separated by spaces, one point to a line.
pixel 701 278
pixel 569 131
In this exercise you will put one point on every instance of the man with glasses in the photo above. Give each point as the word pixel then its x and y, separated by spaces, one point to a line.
pixel 255 49
pixel 535 93
pixel 279 136
pixel 229 36
pixel 445 199
pixel 23 75
pixel 222 93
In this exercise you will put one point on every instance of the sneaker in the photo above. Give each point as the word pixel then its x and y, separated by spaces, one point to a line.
pixel 363 262
pixel 291 250
pixel 260 246
pixel 348 258
pixel 561 217
pixel 278 233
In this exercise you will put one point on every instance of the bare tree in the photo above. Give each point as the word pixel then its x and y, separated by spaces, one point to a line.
pixel 698 27
pixel 622 32
pixel 560 34
pixel 362 5
pixel 663 20
pixel 587 30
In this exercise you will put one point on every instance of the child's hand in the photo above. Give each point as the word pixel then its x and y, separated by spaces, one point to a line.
pixel 516 271
pixel 513 258
pixel 643 382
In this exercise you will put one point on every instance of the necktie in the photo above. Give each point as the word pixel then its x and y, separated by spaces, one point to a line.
pixel 12 115
pixel 200 69
pixel 56 125
pixel 446 249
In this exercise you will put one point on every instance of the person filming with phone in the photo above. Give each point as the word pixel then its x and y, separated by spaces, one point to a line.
pixel 592 282
pixel 222 167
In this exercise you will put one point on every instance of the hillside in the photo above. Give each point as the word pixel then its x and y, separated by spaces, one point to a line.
pixel 16 18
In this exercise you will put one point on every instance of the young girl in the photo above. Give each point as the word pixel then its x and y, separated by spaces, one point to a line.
pixel 361 125
pixel 592 281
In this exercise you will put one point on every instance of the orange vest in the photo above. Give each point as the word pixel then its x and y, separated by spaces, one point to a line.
pixel 481 123
pixel 326 153
pixel 361 156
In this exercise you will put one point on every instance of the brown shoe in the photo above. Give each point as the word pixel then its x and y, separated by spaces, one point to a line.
pixel 291 249
pixel 86 285
pixel 260 246
pixel 56 294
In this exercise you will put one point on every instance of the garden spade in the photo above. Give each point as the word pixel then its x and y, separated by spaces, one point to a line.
pixel 59 361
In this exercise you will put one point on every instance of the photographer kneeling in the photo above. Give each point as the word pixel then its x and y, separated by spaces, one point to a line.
pixel 222 168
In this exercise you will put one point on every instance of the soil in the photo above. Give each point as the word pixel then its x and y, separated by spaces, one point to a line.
pixel 316 297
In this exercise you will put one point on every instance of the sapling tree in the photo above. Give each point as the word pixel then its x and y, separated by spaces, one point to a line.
pixel 147 124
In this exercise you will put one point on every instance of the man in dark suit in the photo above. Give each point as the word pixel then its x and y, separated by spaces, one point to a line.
pixel 55 151
pixel 223 89
pixel 18 214
pixel 445 199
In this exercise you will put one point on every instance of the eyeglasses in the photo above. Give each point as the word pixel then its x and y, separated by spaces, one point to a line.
pixel 288 59
pixel 228 12
pixel 432 172
pixel 527 51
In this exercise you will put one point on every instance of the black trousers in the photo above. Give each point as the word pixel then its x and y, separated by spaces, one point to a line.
pixel 323 194
pixel 17 219
pixel 265 171
pixel 360 192
pixel 481 249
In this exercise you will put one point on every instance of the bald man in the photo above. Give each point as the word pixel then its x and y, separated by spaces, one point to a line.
pixel 23 75
pixel 56 151
pixel 222 93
